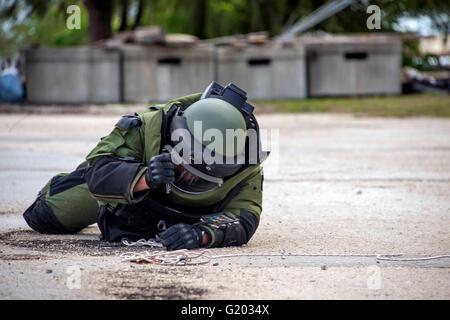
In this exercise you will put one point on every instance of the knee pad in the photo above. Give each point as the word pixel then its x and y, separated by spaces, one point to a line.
pixel 40 217
pixel 63 206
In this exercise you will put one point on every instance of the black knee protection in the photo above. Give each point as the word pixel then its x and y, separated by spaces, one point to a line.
pixel 40 217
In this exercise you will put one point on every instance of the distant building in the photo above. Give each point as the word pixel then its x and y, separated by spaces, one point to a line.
pixel 435 45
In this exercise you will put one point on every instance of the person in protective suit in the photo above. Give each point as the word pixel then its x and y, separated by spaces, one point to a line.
pixel 171 172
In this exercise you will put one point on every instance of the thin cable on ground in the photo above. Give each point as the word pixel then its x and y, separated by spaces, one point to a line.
pixel 199 257
pixel 391 258
pixel 298 255
pixel 152 243
pixel 382 257
pixel 179 257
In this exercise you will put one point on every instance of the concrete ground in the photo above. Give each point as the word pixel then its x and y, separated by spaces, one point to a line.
pixel 338 188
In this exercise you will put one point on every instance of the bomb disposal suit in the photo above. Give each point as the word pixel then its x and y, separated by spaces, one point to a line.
pixel 200 158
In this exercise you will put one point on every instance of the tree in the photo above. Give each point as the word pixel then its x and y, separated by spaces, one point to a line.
pixel 100 13
pixel 139 11
pixel 124 15
pixel 44 19
pixel 199 18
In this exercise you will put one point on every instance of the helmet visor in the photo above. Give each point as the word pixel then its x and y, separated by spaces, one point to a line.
pixel 187 181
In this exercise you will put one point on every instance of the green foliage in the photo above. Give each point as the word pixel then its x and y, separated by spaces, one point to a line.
pixel 410 53
pixel 51 31
pixel 428 62
pixel 39 22
pixel 45 21
pixel 12 41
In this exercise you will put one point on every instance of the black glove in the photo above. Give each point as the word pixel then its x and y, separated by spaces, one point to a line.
pixel 161 170
pixel 181 236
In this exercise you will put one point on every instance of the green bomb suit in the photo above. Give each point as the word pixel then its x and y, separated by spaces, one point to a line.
pixel 101 190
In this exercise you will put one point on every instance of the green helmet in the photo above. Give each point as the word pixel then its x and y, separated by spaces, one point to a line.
pixel 217 116
pixel 209 138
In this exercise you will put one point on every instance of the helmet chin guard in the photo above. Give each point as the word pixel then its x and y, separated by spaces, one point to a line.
pixel 178 160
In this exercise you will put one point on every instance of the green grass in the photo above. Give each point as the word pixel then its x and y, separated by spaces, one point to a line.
pixel 387 106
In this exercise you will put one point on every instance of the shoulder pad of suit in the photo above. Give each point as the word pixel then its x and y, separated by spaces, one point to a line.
pixel 129 121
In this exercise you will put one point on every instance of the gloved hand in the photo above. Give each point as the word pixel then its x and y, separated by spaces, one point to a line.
pixel 181 236
pixel 161 171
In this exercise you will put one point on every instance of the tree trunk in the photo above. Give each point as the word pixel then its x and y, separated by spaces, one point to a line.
pixel 199 18
pixel 124 16
pixel 100 13
pixel 137 19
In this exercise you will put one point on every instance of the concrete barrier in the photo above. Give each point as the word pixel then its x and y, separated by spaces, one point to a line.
pixel 265 72
pixel 72 75
pixel 364 65
pixel 331 66
pixel 160 73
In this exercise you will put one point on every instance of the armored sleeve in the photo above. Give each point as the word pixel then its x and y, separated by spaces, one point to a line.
pixel 115 164
pixel 237 223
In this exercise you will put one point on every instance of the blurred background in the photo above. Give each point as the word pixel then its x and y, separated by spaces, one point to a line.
pixel 289 55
